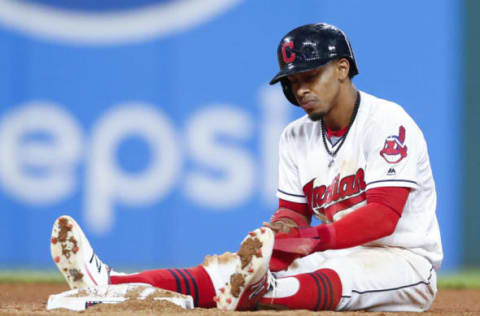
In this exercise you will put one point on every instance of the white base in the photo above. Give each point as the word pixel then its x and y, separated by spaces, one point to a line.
pixel 81 299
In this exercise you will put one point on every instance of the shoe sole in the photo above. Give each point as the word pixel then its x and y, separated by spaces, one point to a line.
pixel 250 277
pixel 65 248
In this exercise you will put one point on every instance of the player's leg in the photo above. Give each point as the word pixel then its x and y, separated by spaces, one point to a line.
pixel 317 290
pixel 303 285
pixel 362 278
pixel 385 279
pixel 82 268
pixel 227 280
pixel 195 281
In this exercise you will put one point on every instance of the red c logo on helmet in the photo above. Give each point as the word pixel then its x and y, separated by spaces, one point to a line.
pixel 288 59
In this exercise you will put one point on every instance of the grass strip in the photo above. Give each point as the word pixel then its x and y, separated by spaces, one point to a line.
pixel 30 276
pixel 467 279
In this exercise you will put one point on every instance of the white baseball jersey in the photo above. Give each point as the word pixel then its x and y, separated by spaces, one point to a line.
pixel 383 148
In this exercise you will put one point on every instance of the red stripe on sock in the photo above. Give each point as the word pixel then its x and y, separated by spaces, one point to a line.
pixel 184 280
pixel 334 285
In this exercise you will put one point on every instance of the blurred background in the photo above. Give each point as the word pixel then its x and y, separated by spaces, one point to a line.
pixel 152 123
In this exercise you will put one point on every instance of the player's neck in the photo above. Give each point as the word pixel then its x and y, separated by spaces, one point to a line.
pixel 339 116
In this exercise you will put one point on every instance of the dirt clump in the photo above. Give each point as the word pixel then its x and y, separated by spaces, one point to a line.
pixel 236 281
pixel 249 248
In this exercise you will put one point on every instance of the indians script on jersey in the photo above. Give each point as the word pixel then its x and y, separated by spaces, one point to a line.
pixel 341 194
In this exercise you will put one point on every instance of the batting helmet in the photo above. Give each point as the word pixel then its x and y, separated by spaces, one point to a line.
pixel 308 47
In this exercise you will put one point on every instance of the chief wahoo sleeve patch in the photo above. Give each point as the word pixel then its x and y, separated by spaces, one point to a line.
pixel 395 149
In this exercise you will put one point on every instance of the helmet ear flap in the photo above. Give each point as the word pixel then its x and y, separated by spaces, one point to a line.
pixel 287 90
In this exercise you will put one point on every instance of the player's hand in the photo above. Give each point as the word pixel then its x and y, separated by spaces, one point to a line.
pixel 282 226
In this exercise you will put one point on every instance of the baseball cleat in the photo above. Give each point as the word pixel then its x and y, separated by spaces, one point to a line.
pixel 74 256
pixel 249 282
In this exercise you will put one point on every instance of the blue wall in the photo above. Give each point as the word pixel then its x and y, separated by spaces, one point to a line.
pixel 159 133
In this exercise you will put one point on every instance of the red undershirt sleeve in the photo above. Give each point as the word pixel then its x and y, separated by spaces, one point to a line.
pixel 297 212
pixel 375 220
pixel 301 208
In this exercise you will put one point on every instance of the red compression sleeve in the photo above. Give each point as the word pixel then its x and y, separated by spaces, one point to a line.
pixel 375 220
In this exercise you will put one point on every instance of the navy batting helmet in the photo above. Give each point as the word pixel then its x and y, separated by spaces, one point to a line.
pixel 308 47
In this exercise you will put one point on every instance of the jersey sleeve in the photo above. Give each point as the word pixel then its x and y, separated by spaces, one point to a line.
pixel 289 184
pixel 394 147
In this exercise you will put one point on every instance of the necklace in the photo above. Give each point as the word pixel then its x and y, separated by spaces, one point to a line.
pixel 339 144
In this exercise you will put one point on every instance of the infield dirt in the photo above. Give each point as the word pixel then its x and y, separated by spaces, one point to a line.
pixel 31 299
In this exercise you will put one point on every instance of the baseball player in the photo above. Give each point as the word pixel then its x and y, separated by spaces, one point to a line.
pixel 358 163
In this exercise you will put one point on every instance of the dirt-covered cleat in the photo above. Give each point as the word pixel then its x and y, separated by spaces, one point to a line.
pixel 220 268
pixel 74 256
pixel 249 282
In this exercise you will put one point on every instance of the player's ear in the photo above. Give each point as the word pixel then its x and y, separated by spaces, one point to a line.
pixel 343 68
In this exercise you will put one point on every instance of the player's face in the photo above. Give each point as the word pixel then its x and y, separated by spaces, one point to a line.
pixel 317 90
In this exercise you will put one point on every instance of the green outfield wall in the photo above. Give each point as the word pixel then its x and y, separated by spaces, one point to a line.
pixel 472 143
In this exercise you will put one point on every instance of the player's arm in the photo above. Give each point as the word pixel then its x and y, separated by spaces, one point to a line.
pixel 288 215
pixel 377 219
